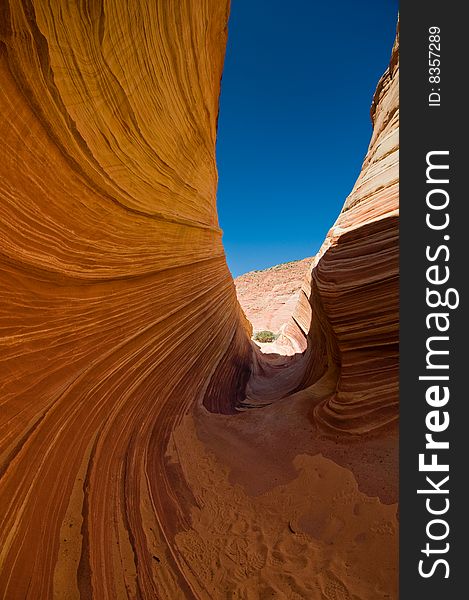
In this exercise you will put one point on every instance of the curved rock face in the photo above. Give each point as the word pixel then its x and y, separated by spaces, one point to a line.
pixel 269 297
pixel 117 303
pixel 120 324
pixel 347 317
pixel 349 306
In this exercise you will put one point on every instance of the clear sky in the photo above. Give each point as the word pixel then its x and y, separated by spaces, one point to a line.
pixel 294 122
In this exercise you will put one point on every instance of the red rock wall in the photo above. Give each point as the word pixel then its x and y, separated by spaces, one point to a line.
pixel 269 297
pixel 117 310
pixel 349 309
pixel 116 302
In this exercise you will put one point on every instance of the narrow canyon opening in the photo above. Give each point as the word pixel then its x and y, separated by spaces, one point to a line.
pixel 293 340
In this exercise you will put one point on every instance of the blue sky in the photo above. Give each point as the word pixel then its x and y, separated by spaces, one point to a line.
pixel 294 122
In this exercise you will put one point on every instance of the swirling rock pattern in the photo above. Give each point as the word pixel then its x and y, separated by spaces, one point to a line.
pixel 346 319
pixel 120 325
pixel 349 306
pixel 268 297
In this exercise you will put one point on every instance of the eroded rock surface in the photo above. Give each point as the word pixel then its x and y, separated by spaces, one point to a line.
pixel 269 297
pixel 125 354
pixel 350 301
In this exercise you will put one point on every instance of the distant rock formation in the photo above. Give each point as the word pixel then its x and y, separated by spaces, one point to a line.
pixel 125 354
pixel 269 297
pixel 350 304
pixel 347 316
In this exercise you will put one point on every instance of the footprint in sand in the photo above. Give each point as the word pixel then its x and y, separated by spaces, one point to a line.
pixel 289 551
pixel 239 527
pixel 383 528
pixel 258 558
pixel 334 589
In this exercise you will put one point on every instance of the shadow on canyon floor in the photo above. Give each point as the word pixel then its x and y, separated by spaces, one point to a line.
pixel 276 422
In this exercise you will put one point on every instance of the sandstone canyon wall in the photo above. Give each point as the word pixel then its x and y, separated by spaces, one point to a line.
pixel 353 283
pixel 269 297
pixel 116 300
pixel 124 352
pixel 346 319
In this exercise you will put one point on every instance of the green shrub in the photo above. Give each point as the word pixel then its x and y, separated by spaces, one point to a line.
pixel 265 336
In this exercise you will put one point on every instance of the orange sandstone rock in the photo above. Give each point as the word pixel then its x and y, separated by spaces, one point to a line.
pixel 268 298
pixel 116 301
pixel 121 336
pixel 354 281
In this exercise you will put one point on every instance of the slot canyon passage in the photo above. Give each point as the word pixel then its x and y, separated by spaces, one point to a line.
pixel 148 448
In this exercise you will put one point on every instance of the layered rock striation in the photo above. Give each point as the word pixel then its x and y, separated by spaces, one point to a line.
pixel 117 304
pixel 346 319
pixel 269 297
pixel 119 318
pixel 352 289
